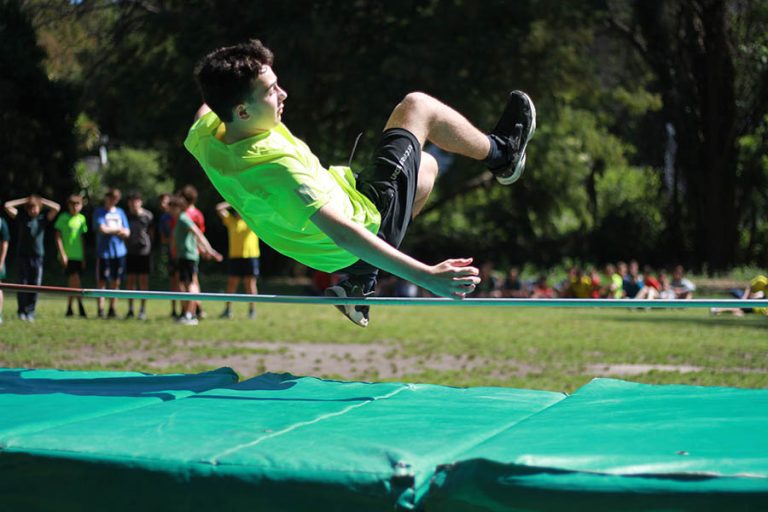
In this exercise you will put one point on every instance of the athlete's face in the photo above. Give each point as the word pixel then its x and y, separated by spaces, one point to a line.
pixel 263 110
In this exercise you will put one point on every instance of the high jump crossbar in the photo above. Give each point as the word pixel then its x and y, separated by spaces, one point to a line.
pixel 388 301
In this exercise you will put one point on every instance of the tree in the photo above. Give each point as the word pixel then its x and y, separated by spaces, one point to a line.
pixel 37 147
pixel 692 47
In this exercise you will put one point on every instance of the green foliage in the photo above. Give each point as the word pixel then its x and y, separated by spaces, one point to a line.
pixel 139 170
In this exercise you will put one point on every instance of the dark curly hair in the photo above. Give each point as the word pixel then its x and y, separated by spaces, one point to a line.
pixel 225 76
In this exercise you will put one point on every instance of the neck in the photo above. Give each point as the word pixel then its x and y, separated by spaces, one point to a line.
pixel 236 132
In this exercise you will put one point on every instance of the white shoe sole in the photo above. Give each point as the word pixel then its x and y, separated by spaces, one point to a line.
pixel 520 167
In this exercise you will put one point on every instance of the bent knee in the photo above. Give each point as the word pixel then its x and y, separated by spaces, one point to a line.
pixel 416 101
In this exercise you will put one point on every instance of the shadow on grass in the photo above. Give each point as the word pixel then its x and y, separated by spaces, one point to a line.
pixel 648 316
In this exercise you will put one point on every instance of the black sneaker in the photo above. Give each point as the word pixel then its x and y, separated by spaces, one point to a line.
pixel 513 131
pixel 111 313
pixel 129 315
pixel 354 289
pixel 82 313
pixel 69 313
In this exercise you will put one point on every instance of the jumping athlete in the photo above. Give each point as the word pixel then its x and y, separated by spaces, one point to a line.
pixel 326 218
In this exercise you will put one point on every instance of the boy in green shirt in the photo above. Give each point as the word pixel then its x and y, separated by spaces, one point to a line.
pixel 70 227
pixel 189 241
pixel 326 218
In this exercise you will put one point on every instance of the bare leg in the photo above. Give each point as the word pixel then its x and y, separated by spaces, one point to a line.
pixel 431 120
pixel 231 288
pixel 130 284
pixel 249 284
pixel 427 176
pixel 143 285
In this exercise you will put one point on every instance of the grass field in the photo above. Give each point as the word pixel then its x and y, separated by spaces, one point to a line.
pixel 554 349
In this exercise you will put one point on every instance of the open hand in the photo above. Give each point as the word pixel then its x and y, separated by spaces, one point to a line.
pixel 453 278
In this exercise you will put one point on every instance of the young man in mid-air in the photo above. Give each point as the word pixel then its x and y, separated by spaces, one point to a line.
pixel 326 218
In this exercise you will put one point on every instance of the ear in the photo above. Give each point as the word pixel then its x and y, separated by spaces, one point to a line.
pixel 241 112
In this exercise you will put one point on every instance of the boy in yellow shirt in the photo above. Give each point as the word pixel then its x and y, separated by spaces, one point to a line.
pixel 244 253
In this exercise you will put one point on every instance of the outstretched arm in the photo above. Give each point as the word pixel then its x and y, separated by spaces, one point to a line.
pixel 453 278
pixel 204 244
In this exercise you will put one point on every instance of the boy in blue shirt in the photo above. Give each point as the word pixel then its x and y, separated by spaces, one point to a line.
pixel 111 226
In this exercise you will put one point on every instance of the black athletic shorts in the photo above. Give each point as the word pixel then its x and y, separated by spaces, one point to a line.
pixel 137 264
pixel 187 270
pixel 391 185
pixel 243 267
pixel 74 267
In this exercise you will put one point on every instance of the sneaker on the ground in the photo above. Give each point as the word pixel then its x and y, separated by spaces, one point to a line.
pixel 69 313
pixel 1 319
pixel 31 317
pixel 226 314
pixel 513 131
pixel 82 313
pixel 187 319
pixel 252 314
pixel 100 313
pixel 23 317
pixel 141 316
pixel 129 315
pixel 112 313
pixel 352 289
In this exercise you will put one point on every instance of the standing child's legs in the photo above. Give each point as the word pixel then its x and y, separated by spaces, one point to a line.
pixel 130 284
pixel 232 281
pixel 249 285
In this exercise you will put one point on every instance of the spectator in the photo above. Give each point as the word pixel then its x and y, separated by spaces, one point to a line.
pixel 189 193
pixel 651 288
pixel 577 285
pixel 490 284
pixel 31 221
pixel 757 289
pixel 111 226
pixel 513 287
pixel 187 238
pixel 594 278
pixel 631 280
pixel 165 229
pixel 244 256
pixel 139 248
pixel 542 290
pixel 70 227
pixel 682 287
pixel 614 285
pixel 5 237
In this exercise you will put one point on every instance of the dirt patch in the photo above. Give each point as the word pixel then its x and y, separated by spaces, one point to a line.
pixel 347 361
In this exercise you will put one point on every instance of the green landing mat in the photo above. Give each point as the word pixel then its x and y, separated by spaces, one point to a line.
pixel 617 445
pixel 275 442
pixel 72 441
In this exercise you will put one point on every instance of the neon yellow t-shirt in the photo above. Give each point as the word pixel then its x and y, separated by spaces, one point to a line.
pixel 276 184
pixel 243 242
pixel 759 284
pixel 72 228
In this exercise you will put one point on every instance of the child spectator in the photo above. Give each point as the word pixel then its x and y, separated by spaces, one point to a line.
pixel 189 193
pixel 139 248
pixel 614 286
pixel 578 285
pixel 594 279
pixel 651 288
pixel 31 221
pixel 512 286
pixel 757 289
pixel 5 237
pixel 165 229
pixel 490 284
pixel 631 280
pixel 542 290
pixel 70 227
pixel 187 238
pixel 244 256
pixel 681 286
pixel 111 226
